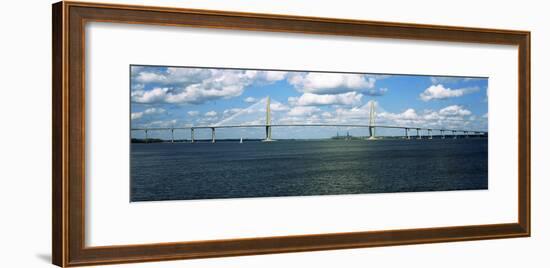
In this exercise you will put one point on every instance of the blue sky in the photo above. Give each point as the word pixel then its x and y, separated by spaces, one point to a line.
pixel 181 96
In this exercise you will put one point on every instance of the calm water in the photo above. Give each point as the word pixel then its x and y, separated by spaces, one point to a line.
pixel 181 171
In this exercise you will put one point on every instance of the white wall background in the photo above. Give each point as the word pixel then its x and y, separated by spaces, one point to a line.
pixel 25 119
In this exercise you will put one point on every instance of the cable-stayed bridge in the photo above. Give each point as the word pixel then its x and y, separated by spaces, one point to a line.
pixel 371 126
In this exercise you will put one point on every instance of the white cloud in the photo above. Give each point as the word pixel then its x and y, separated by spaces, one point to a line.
pixel 327 115
pixel 408 114
pixel 195 85
pixel 221 84
pixel 171 75
pixel 162 123
pixel 137 115
pixel 149 111
pixel 274 75
pixel 331 83
pixel 438 92
pixel 454 110
pixel 154 111
pixel 211 114
pixel 193 113
pixel 379 76
pixel 148 77
pixel 453 116
pixel 310 99
pixel 137 87
pixel 452 80
pixel 154 95
pixel 277 107
pixel 303 111
pixel 269 76
pixel 250 100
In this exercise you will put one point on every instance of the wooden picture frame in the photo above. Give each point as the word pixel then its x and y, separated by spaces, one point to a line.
pixel 68 153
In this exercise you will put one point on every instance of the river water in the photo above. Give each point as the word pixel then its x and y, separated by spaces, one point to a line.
pixel 184 171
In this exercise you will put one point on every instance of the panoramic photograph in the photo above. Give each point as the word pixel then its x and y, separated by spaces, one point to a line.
pixel 212 133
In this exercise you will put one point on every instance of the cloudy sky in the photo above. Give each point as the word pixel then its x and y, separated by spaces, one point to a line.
pixel 179 96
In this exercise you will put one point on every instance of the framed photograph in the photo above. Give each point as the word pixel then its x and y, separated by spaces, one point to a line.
pixel 181 133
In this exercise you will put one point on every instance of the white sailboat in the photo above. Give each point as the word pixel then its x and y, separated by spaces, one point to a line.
pixel 241 140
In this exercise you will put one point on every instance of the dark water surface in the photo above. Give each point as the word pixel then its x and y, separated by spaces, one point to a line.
pixel 181 171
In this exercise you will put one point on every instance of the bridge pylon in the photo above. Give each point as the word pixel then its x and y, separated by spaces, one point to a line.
pixel 372 117
pixel 268 121
pixel 213 135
